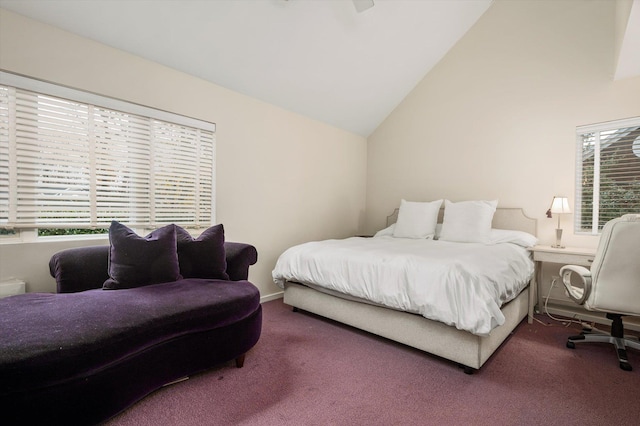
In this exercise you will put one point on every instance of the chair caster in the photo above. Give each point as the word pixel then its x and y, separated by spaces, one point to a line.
pixel 570 344
pixel 626 366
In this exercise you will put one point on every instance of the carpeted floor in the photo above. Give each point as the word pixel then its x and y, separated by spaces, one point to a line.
pixel 306 370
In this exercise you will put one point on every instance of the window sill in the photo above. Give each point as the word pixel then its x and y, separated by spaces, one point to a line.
pixel 54 239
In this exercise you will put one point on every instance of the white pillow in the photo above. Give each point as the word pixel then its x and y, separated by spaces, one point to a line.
pixel 520 238
pixel 416 219
pixel 468 221
pixel 388 231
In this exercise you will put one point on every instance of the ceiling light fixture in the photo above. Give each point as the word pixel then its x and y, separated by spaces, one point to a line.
pixel 362 5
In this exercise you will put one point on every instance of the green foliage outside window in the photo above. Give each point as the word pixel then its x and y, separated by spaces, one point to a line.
pixel 58 231
pixel 70 231
pixel 619 183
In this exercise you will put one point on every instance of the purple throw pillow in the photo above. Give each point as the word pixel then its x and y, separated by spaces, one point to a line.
pixel 203 257
pixel 136 261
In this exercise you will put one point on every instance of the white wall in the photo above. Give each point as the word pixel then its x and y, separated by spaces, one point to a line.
pixel 281 178
pixel 496 117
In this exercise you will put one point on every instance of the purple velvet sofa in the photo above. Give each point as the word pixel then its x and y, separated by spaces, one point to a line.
pixel 85 354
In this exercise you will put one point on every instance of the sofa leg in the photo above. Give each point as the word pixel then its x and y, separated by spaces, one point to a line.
pixel 240 361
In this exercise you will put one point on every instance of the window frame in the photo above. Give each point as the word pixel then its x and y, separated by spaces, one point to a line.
pixel 597 130
pixel 165 119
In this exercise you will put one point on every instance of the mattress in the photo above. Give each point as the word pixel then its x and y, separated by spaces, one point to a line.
pixel 460 284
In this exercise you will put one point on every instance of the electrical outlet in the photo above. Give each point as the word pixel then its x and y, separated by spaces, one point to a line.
pixel 556 290
pixel 11 287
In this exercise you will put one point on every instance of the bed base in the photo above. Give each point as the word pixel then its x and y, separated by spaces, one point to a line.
pixel 462 347
pixel 468 350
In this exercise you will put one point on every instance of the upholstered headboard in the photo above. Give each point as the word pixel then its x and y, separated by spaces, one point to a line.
pixel 504 218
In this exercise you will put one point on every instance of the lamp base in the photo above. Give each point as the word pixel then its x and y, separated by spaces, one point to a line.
pixel 558 239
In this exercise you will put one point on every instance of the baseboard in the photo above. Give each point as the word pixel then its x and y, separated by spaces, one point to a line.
pixel 273 296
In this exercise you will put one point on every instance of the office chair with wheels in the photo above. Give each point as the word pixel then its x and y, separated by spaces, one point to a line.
pixel 612 286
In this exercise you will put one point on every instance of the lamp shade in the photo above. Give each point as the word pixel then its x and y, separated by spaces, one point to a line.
pixel 560 205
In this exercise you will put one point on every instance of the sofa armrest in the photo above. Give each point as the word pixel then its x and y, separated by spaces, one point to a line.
pixel 239 257
pixel 79 269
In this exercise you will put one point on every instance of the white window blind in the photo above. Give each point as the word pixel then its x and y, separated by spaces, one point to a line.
pixel 77 164
pixel 607 173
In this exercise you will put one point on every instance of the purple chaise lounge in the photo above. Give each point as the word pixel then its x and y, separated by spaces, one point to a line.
pixel 85 354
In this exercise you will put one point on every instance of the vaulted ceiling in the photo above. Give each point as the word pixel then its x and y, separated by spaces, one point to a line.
pixel 320 58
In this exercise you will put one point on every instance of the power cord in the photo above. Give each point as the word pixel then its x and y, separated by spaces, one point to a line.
pixel 590 327
pixel 565 322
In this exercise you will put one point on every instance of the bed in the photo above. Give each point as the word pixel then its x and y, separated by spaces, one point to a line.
pixel 468 346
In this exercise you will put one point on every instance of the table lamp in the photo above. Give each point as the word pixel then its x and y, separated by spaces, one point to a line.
pixel 559 205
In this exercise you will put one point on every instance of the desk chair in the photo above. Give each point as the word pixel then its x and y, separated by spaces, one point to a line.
pixel 612 286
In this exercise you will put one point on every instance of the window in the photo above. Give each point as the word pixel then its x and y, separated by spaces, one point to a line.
pixel 71 159
pixel 607 173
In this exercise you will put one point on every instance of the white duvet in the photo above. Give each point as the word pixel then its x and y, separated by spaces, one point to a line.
pixel 460 284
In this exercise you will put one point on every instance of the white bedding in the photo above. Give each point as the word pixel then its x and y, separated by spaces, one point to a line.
pixel 460 284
